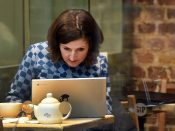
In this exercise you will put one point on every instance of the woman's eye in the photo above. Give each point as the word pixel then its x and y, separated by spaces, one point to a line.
pixel 81 49
pixel 67 49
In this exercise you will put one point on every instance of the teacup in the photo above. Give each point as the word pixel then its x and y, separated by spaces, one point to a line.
pixel 10 110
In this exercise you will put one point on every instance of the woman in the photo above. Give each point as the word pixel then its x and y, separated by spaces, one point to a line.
pixel 71 51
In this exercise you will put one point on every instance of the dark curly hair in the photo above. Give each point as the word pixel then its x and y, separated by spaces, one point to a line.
pixel 72 25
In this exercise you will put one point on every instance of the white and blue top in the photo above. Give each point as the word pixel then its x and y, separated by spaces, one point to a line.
pixel 37 64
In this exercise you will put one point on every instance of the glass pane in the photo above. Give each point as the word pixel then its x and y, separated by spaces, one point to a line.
pixel 42 13
pixel 11 41
pixel 108 14
pixel 11 32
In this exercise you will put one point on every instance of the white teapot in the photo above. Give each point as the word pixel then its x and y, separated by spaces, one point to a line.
pixel 48 111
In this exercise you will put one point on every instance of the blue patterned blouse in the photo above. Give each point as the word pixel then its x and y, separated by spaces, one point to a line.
pixel 37 64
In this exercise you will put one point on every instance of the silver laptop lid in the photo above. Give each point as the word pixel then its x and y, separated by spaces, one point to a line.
pixel 86 95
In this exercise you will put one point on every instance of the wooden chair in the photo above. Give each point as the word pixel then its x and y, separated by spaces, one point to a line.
pixel 130 105
pixel 162 115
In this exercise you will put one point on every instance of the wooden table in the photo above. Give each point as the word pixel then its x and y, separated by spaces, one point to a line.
pixel 166 108
pixel 71 124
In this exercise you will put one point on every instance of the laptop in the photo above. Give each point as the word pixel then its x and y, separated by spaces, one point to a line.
pixel 87 96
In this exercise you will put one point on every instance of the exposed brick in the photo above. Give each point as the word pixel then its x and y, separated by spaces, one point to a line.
pixel 152 14
pixel 167 28
pixel 167 58
pixel 150 2
pixel 138 72
pixel 146 28
pixel 171 89
pixel 150 84
pixel 156 44
pixel 171 13
pixel 132 43
pixel 150 28
pixel 131 12
pixel 136 43
pixel 144 56
pixel 171 43
pixel 172 72
pixel 166 2
pixel 155 13
pixel 156 72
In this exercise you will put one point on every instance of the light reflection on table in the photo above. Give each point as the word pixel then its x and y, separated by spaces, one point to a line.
pixel 72 124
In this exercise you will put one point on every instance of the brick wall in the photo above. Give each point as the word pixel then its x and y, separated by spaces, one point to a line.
pixel 149 30
pixel 149 44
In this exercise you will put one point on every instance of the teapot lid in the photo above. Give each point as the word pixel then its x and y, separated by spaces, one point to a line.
pixel 49 99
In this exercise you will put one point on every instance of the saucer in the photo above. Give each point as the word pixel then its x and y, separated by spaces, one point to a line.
pixel 9 120
pixel 15 120
pixel 32 121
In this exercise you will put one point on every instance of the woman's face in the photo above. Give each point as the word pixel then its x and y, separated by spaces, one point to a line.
pixel 74 52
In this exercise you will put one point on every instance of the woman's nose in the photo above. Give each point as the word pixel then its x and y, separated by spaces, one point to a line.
pixel 72 56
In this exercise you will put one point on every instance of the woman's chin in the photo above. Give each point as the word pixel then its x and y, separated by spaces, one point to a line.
pixel 73 65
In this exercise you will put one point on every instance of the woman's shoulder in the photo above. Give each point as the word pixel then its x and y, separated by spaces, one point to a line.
pixel 102 57
pixel 39 45
pixel 102 61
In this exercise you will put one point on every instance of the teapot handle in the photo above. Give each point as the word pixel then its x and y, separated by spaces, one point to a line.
pixel 65 108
